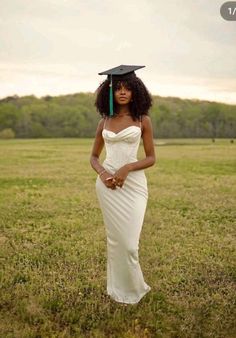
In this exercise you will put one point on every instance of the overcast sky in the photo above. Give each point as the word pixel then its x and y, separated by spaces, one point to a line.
pixel 58 46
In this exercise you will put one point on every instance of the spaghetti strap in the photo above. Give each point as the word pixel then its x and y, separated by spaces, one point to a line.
pixel 140 121
pixel 104 122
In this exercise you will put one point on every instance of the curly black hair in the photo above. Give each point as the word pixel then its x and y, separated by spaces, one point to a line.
pixel 141 98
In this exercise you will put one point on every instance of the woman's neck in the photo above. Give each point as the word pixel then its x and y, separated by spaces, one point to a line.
pixel 123 111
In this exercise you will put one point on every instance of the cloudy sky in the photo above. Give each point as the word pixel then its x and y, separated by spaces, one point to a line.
pixel 59 46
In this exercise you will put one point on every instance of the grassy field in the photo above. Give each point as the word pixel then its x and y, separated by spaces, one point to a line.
pixel 53 244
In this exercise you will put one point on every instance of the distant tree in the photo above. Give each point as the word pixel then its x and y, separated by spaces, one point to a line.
pixel 7 133
pixel 75 116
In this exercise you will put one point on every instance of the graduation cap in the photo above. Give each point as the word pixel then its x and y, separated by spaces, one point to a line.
pixel 122 72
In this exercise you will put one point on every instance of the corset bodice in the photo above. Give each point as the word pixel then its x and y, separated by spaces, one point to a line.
pixel 122 147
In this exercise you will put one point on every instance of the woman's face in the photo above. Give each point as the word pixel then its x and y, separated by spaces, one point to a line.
pixel 122 95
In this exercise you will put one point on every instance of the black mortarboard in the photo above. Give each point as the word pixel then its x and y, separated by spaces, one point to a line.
pixel 120 71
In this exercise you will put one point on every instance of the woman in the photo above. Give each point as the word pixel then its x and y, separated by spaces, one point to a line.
pixel 121 184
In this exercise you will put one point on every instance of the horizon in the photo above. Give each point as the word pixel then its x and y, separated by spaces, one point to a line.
pixel 88 92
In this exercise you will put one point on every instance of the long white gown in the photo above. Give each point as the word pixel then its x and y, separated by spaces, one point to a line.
pixel 123 212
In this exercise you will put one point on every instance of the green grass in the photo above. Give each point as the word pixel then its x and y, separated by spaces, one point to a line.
pixel 53 243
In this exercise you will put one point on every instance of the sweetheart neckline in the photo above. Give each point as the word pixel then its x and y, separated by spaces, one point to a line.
pixel 121 129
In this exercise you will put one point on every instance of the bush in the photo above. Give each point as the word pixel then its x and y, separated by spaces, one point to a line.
pixel 7 133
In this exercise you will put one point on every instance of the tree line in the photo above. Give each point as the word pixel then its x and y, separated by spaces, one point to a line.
pixel 75 115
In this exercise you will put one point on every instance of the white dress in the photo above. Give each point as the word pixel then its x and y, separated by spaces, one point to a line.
pixel 123 212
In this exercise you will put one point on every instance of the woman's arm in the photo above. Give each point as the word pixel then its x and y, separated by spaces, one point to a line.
pixel 94 158
pixel 97 148
pixel 148 147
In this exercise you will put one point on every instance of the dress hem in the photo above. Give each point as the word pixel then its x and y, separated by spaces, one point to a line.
pixel 117 299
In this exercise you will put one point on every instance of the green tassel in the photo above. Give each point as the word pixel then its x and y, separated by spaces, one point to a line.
pixel 111 99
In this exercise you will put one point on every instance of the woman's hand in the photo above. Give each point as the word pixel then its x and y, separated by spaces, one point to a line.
pixel 120 176
pixel 108 180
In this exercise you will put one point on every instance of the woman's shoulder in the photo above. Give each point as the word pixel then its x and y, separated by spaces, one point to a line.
pixel 101 122
pixel 145 119
pixel 146 123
